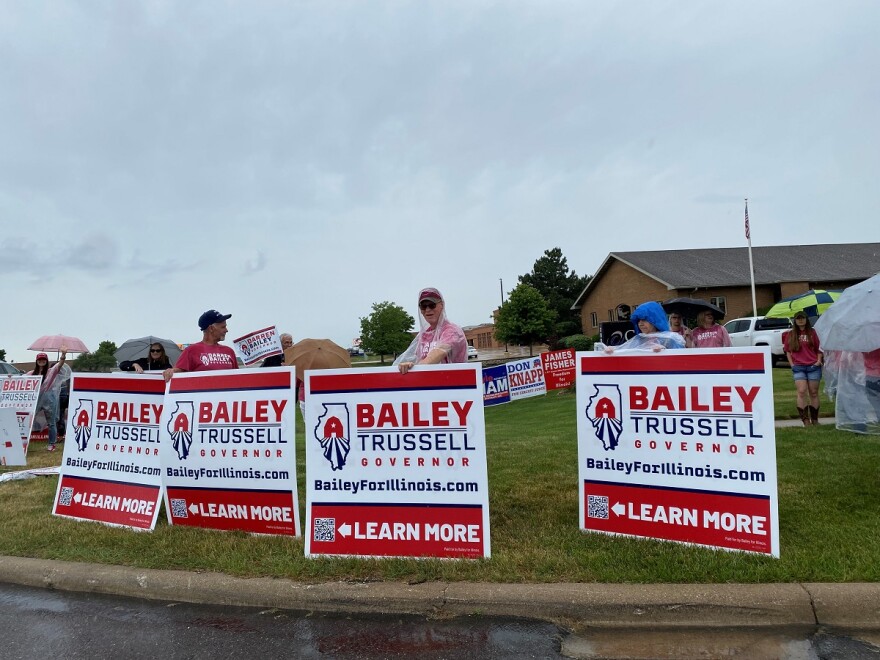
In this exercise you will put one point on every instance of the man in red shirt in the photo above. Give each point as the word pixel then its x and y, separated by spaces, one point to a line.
pixel 208 354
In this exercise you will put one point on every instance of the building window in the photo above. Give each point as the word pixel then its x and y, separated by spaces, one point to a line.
pixel 610 314
pixel 594 319
pixel 720 302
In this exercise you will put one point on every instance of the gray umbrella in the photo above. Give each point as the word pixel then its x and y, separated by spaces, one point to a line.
pixel 853 322
pixel 139 347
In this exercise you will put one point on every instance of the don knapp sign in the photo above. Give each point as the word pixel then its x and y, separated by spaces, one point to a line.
pixel 396 464
pixel 679 445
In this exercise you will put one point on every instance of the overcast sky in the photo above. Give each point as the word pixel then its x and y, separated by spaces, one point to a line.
pixel 292 163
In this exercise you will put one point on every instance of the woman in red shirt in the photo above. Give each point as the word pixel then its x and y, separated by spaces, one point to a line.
pixel 805 357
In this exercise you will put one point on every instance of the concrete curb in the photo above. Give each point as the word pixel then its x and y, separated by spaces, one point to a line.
pixel 576 606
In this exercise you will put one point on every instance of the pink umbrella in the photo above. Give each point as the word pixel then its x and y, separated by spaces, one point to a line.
pixel 55 342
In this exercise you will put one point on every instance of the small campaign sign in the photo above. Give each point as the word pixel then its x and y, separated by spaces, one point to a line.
pixel 396 463
pixel 680 446
pixel 559 368
pixel 110 468
pixel 525 378
pixel 495 389
pixel 11 449
pixel 20 393
pixel 258 345
pixel 228 451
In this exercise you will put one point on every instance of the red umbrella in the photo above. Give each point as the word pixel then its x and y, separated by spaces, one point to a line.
pixel 55 342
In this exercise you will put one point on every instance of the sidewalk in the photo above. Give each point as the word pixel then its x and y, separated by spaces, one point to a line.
pixel 851 607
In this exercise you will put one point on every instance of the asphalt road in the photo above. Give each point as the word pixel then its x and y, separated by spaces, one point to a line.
pixel 41 623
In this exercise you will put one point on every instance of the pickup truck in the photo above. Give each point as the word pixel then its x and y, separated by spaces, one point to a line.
pixel 759 331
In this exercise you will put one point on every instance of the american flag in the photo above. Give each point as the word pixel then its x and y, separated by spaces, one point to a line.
pixel 748 231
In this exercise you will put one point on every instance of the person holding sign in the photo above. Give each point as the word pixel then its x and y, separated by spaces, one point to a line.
pixel 48 399
pixel 278 360
pixel 652 331
pixel 208 354
pixel 439 341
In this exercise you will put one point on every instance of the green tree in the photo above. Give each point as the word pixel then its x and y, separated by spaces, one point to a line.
pixel 2 355
pixel 560 287
pixel 525 318
pixel 101 360
pixel 386 331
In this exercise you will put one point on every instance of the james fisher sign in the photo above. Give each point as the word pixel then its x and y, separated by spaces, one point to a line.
pixel 396 464
pixel 228 451
pixel 680 446
pixel 110 468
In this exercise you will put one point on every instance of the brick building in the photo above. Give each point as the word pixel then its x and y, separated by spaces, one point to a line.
pixel 721 276
pixel 482 337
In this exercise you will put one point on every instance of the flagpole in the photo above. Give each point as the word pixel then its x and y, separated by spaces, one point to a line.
pixel 751 263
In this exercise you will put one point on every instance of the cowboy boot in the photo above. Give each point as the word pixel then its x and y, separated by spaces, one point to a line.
pixel 814 415
pixel 805 416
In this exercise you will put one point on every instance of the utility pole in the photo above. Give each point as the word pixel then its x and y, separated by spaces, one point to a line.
pixel 501 284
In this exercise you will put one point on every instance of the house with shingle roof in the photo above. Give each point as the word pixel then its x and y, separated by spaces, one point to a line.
pixel 721 276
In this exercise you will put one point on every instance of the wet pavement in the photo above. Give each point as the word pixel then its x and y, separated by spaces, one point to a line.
pixel 40 623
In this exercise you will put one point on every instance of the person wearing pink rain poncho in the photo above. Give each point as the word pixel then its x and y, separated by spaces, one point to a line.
pixel 439 341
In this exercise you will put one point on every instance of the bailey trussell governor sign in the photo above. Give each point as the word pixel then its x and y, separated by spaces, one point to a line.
pixel 396 464
pixel 679 445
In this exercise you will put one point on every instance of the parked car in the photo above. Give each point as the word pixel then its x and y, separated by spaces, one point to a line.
pixel 356 351
pixel 472 353
pixel 9 369
pixel 759 331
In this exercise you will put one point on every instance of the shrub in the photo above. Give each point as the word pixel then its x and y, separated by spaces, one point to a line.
pixel 578 342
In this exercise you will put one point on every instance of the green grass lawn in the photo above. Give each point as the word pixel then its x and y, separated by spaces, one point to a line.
pixel 829 510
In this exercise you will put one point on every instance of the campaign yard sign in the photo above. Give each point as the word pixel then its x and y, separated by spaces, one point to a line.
pixel 559 369
pixel 20 394
pixel 228 452
pixel 680 446
pixel 396 463
pixel 495 389
pixel 110 468
pixel 11 449
pixel 525 378
pixel 256 346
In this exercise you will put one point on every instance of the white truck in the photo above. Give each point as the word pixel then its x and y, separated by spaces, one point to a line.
pixel 759 331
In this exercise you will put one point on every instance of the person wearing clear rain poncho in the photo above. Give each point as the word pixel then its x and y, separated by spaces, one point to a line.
pixel 439 341
pixel 53 378
pixel 652 331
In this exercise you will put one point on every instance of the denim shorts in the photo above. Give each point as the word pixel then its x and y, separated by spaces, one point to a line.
pixel 807 372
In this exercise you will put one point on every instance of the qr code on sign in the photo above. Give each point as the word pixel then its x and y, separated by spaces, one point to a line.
pixel 325 529
pixel 597 506
pixel 66 496
pixel 178 508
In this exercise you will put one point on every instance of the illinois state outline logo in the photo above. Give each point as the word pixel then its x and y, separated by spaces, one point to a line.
pixel 604 410
pixel 83 417
pixel 180 428
pixel 332 431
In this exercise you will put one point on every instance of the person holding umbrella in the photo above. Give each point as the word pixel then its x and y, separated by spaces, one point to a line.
pixel 805 358
pixel 208 354
pixel 652 331
pixel 439 341
pixel 48 397
pixel 709 334
pixel 155 360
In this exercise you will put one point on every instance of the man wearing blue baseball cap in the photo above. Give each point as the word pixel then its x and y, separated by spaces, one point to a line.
pixel 208 354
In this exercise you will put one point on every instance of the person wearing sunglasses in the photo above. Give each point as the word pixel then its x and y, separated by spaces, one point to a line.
pixel 440 341
pixel 155 360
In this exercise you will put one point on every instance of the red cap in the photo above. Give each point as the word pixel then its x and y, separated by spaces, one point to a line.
pixel 42 356
pixel 430 294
